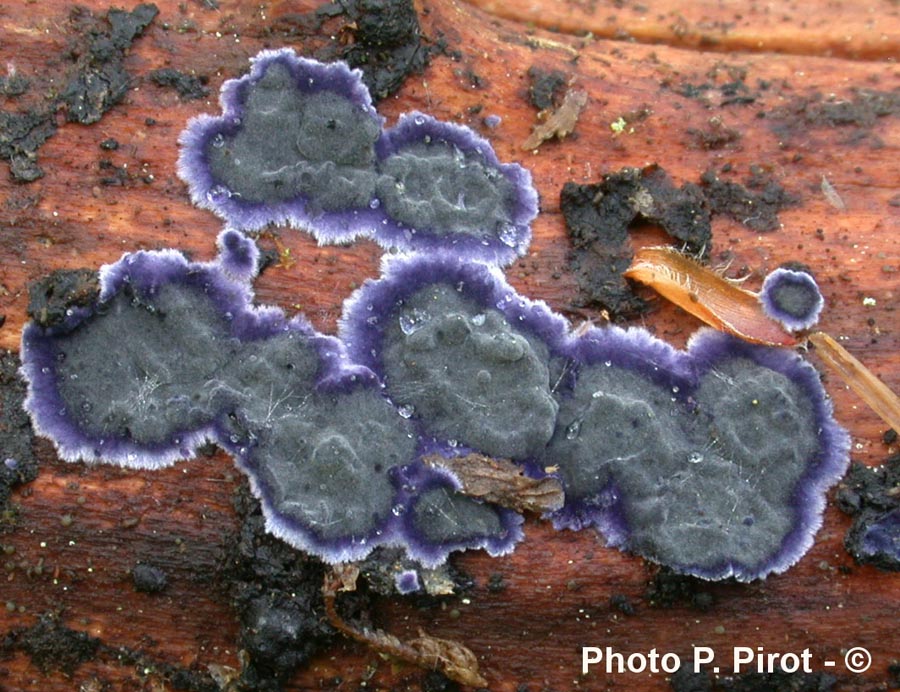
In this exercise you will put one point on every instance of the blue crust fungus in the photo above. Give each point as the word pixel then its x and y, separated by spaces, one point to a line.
pixel 442 187
pixel 460 351
pixel 792 297
pixel 331 459
pixel 295 144
pixel 713 461
pixel 299 143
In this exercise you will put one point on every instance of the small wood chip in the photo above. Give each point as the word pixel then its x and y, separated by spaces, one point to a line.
pixel 560 123
pixel 451 658
pixel 502 482
pixel 831 195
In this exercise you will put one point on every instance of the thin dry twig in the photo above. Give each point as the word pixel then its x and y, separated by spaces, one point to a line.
pixel 859 378
pixel 451 658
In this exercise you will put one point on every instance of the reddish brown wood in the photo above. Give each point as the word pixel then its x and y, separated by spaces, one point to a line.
pixel 801 27
pixel 558 584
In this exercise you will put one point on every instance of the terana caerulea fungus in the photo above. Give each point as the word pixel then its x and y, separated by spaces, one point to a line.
pixel 331 459
pixel 713 461
pixel 407 581
pixel 792 298
pixel 442 187
pixel 460 351
pixel 295 144
pixel 150 401
pixel 299 143
pixel 440 519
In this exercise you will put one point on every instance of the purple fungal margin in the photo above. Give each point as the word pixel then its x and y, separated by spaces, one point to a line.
pixel 460 352
pixel 792 298
pixel 734 444
pixel 443 188
pixel 438 520
pixel 142 283
pixel 279 142
pixel 823 469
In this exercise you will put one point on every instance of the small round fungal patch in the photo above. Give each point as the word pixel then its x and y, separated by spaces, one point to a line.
pixel 792 298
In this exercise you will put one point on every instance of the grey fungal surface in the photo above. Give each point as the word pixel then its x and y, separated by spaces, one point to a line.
pixel 173 354
pixel 294 145
pixel 328 463
pixel 613 419
pixel 299 143
pixel 715 465
pixel 167 355
pixel 459 351
pixel 469 374
pixel 291 143
pixel 442 188
pixel 759 418
pixel 724 496
pixel 445 190
pixel 442 515
pixel 713 461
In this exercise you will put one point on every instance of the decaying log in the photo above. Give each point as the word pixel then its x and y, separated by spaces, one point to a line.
pixel 773 96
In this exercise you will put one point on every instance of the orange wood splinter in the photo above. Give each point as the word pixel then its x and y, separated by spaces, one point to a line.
pixel 706 295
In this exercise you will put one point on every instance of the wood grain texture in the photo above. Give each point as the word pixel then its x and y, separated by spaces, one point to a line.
pixel 801 27
pixel 557 584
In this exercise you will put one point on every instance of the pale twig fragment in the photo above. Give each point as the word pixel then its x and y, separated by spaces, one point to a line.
pixel 451 658
pixel 859 378
pixel 502 482
pixel 831 195
pixel 560 123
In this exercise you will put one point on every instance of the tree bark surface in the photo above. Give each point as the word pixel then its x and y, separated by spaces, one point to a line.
pixel 661 80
